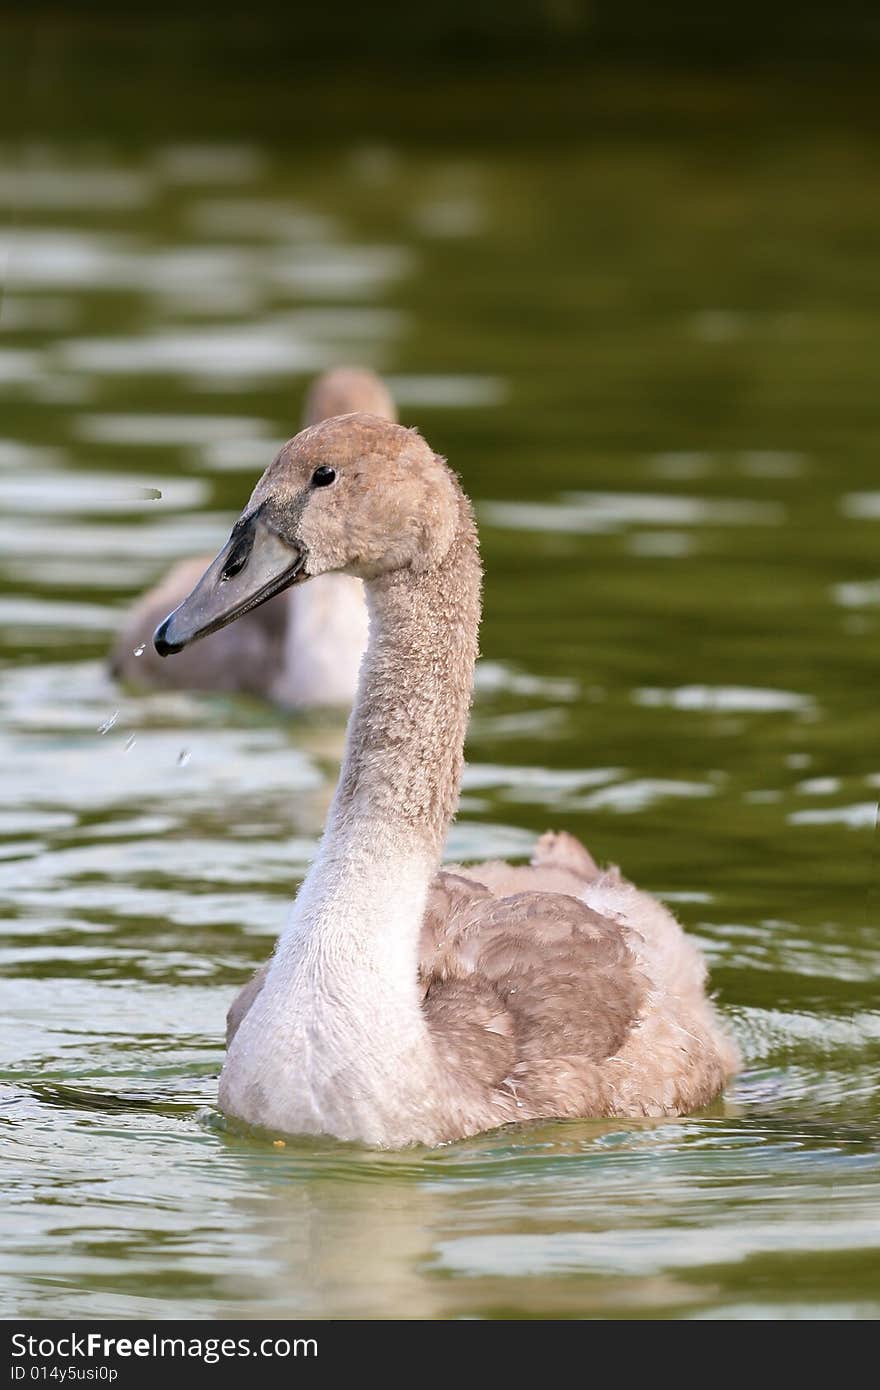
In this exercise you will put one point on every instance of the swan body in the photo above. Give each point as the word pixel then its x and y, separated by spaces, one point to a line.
pixel 404 1004
pixel 304 647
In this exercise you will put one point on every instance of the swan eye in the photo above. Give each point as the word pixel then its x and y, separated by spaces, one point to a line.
pixel 323 476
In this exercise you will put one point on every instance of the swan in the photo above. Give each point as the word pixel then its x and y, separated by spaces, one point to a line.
pixel 302 649
pixel 404 1004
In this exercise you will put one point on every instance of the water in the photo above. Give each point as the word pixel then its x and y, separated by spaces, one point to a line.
pixel 649 348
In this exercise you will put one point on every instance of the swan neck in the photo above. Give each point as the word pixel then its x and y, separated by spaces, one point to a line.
pixel 405 743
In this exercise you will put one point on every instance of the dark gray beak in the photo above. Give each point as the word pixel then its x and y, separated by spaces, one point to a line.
pixel 254 565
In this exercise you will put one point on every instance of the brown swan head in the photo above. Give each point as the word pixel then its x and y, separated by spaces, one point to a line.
pixel 356 493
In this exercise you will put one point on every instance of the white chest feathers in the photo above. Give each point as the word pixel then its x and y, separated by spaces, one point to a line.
pixel 336 1042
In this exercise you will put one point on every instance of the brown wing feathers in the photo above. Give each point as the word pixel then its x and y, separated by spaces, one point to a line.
pixel 526 978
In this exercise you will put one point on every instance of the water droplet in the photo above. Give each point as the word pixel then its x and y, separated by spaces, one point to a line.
pixel 151 494
pixel 129 743
pixel 183 757
pixel 139 651
pixel 108 722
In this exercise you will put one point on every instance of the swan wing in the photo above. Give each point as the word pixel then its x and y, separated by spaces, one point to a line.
pixel 512 983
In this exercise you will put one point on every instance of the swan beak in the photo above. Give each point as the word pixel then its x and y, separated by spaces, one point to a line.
pixel 253 566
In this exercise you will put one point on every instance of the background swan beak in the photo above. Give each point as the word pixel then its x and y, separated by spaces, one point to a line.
pixel 254 565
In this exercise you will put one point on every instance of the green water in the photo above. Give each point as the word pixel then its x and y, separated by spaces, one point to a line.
pixel 649 344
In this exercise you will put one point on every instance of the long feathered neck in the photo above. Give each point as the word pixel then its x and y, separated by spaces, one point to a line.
pixel 399 784
pixel 405 740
